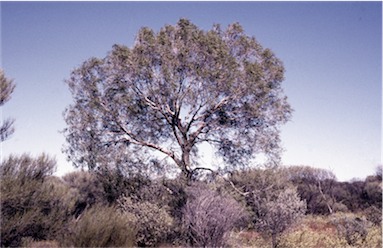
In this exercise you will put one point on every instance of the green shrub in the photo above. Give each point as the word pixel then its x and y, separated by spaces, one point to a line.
pixel 33 203
pixel 88 189
pixel 101 226
pixel 153 223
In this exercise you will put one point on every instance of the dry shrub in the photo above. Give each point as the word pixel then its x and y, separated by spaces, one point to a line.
pixel 276 216
pixel 30 243
pixel 323 232
pixel 310 232
pixel 101 226
pixel 209 217
pixel 374 215
pixel 153 223
pixel 307 237
pixel 351 227
pixel 33 203
pixel 374 238
pixel 247 238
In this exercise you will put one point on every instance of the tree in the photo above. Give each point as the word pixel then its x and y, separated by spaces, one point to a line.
pixel 316 186
pixel 6 88
pixel 174 90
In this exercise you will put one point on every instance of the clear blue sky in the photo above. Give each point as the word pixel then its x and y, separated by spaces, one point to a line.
pixel 332 52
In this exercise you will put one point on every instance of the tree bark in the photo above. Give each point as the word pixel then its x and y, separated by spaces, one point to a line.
pixel 274 240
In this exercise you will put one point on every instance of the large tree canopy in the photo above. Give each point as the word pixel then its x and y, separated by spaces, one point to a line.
pixel 174 90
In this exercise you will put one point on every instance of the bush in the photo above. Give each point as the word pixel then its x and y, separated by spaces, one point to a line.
pixel 209 217
pixel 30 243
pixel 310 232
pixel 88 189
pixel 374 238
pixel 322 232
pixel 303 238
pixel 351 227
pixel 374 215
pixel 247 238
pixel 33 203
pixel 275 216
pixel 101 226
pixel 153 223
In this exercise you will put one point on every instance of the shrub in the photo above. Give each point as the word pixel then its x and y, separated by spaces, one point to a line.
pixel 351 227
pixel 101 226
pixel 209 217
pixel 374 238
pixel 306 237
pixel 277 215
pixel 153 223
pixel 374 215
pixel 321 232
pixel 33 203
pixel 30 243
pixel 88 189
pixel 117 182
pixel 372 193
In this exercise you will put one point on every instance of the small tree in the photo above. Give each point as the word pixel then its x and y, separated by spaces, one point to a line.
pixel 316 186
pixel 6 88
pixel 174 90
pixel 208 217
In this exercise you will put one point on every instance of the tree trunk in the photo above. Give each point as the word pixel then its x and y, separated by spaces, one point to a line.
pixel 274 240
pixel 185 160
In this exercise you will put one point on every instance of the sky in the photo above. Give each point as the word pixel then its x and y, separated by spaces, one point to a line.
pixel 332 53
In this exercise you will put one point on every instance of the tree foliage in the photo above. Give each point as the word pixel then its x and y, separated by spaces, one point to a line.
pixel 316 186
pixel 325 195
pixel 174 90
pixel 6 88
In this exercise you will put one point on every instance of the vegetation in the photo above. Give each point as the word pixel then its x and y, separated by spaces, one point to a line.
pixel 101 226
pixel 6 88
pixel 208 217
pixel 173 91
pixel 169 93
pixel 39 209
